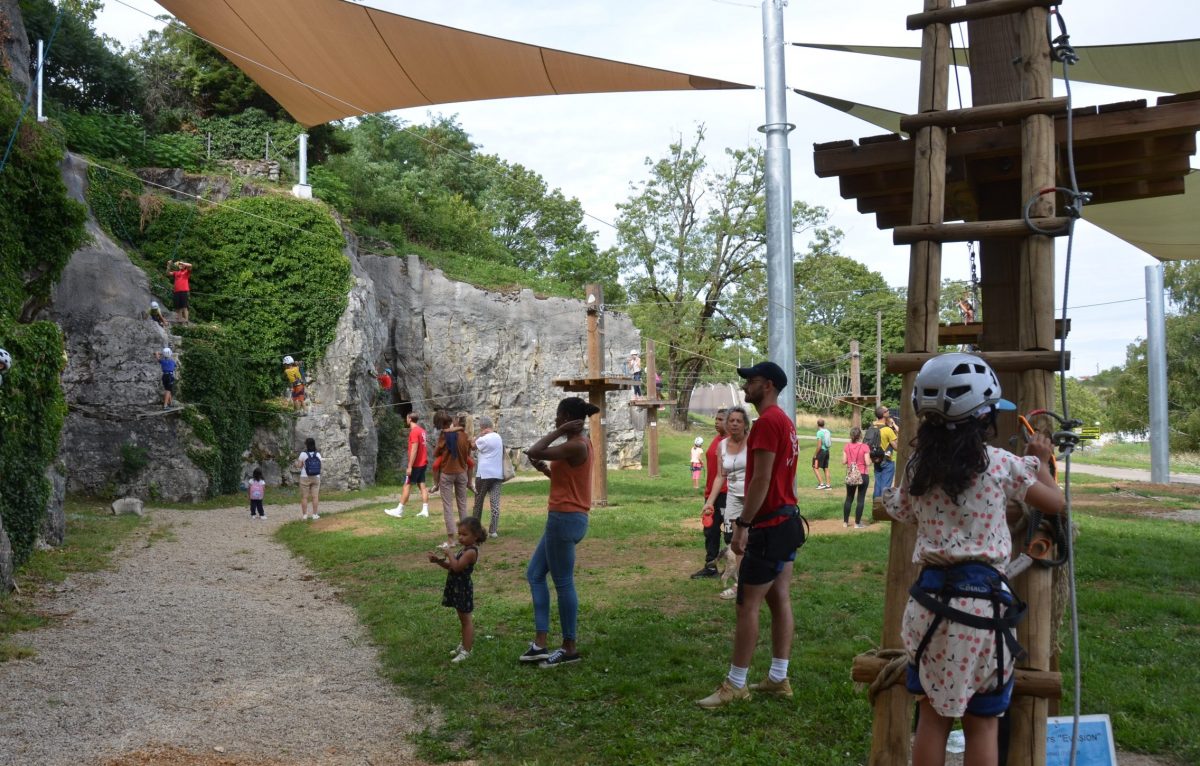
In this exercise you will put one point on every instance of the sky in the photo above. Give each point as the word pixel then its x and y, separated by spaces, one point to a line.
pixel 594 146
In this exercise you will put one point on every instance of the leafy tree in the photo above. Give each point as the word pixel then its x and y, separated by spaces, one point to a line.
pixel 1087 402
pixel 83 72
pixel 691 245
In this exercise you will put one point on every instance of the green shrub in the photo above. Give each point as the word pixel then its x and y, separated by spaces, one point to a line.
pixel 133 459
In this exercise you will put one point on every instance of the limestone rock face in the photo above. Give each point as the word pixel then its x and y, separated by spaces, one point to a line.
pixel 112 381
pixel 54 523
pixel 6 561
pixel 15 46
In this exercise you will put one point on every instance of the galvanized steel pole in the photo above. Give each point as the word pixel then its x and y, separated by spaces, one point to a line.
pixel 1156 367
pixel 781 330
pixel 41 67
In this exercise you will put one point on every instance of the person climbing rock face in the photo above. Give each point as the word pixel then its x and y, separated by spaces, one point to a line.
pixel 170 371
pixel 295 379
pixel 156 314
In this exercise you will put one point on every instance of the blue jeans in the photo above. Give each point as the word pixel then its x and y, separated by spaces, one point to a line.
pixel 555 554
pixel 884 474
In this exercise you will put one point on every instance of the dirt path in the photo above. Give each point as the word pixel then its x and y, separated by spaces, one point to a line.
pixel 1131 474
pixel 209 644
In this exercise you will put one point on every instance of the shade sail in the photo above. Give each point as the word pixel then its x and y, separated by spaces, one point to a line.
pixel 323 60
pixel 1164 67
pixel 1167 228
pixel 884 118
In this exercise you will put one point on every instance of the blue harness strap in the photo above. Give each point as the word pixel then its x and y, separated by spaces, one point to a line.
pixel 934 589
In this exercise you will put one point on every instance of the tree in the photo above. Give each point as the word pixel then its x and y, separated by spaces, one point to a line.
pixel 691 245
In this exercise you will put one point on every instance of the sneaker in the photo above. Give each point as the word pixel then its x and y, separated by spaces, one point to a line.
pixel 845 525
pixel 456 650
pixel 397 512
pixel 262 516
pixel 708 571
pixel 462 655
pixel 724 694
pixel 314 517
pixel 729 593
pixel 424 513
pixel 559 657
pixel 860 526
pixel 778 688
pixel 534 654
pixel 494 535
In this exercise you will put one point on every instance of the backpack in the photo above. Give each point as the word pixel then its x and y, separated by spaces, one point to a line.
pixel 873 439
pixel 312 464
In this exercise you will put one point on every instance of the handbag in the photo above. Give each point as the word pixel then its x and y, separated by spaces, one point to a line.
pixel 853 475
pixel 508 470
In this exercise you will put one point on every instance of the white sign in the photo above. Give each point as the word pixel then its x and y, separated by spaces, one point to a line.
pixel 1095 746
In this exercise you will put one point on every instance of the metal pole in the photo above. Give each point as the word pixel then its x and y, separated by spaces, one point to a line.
pixel 781 330
pixel 1156 367
pixel 304 159
pixel 855 385
pixel 878 358
pixel 41 66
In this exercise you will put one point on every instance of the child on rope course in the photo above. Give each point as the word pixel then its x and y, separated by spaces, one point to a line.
pixel 959 623
pixel 295 379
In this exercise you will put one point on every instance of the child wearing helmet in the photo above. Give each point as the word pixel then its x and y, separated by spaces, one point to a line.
pixel 959 623
pixel 295 379
pixel 697 460
pixel 170 372
pixel 157 315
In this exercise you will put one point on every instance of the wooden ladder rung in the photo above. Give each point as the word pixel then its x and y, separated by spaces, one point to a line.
pixel 981 115
pixel 981 10
pixel 1000 361
pixel 977 230
pixel 1030 683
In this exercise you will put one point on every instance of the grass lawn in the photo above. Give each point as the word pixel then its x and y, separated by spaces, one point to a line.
pixel 1136 455
pixel 654 641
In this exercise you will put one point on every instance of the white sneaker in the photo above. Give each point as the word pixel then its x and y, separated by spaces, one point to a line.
pixel 494 535
pixel 728 594
pixel 424 513
pixel 397 512
pixel 461 656
pixel 314 517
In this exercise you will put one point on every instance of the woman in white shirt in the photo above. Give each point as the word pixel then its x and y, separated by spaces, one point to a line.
pixel 731 468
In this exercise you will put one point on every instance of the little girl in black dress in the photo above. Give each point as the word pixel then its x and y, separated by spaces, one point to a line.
pixel 459 591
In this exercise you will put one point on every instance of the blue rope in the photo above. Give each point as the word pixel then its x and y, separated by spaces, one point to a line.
pixel 29 96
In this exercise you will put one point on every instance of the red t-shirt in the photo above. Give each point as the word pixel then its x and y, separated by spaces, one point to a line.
pixel 774 432
pixel 711 458
pixel 181 280
pixel 385 382
pixel 416 435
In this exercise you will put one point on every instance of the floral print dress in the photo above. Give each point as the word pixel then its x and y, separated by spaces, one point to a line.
pixel 459 592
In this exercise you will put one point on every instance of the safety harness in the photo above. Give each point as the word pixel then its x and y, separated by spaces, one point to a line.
pixel 934 590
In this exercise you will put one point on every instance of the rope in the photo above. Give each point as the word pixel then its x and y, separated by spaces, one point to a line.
pixel 890 674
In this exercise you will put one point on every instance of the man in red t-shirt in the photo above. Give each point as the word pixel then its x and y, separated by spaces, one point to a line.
pixel 181 272
pixel 769 532
pixel 712 524
pixel 418 460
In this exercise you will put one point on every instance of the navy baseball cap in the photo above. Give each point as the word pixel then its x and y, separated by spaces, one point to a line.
pixel 768 370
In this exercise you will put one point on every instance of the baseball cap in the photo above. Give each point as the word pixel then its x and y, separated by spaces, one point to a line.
pixel 768 370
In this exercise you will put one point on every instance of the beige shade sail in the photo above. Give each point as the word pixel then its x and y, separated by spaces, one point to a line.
pixel 323 60
pixel 1164 67
pixel 884 118
pixel 1167 228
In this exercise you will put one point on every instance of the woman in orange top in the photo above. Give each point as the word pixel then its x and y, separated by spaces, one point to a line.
pixel 570 472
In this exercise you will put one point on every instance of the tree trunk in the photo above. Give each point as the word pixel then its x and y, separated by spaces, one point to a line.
pixel 683 382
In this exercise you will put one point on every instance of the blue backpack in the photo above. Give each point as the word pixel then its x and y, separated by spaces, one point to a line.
pixel 312 464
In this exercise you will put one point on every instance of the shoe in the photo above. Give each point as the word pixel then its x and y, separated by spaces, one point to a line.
pixel 778 688
pixel 462 655
pixel 397 512
pixel 456 650
pixel 534 654
pixel 559 657
pixel 845 525
pixel 262 516
pixel 314 517
pixel 724 694
pixel 494 535
pixel 706 572
pixel 728 593
pixel 860 526
pixel 424 513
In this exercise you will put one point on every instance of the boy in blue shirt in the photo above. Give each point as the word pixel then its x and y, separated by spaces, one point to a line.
pixel 170 367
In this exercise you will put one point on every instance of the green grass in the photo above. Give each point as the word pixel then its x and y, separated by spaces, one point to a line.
pixel 654 641
pixel 1121 455
pixel 93 535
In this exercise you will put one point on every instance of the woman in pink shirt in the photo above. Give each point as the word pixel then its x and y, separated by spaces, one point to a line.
pixel 855 454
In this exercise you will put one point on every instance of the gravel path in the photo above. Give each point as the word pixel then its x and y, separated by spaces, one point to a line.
pixel 209 644
pixel 1131 474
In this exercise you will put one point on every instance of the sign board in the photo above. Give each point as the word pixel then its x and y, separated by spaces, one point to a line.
pixel 1089 432
pixel 1095 746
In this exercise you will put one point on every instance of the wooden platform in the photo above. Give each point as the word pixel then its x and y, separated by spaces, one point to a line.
pixel 1122 151
pixel 595 384
pixel 970 332
pixel 651 402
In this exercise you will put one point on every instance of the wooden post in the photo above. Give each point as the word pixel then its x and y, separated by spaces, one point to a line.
pixel 597 396
pixel 649 373
pixel 855 385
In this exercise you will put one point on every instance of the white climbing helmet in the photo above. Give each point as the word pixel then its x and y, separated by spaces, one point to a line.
pixel 635 352
pixel 5 360
pixel 698 441
pixel 956 387
pixel 167 352
pixel 153 304
pixel 288 360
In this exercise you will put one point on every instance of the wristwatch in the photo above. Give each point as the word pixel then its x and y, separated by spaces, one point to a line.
pixel 742 523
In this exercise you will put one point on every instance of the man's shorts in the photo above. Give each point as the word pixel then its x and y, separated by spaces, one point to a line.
pixel 168 381
pixel 769 550
pixel 181 300
pixel 821 459
pixel 298 392
pixel 417 476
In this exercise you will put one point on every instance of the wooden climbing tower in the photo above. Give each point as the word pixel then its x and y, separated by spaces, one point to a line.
pixel 980 165
pixel 596 384
pixel 650 402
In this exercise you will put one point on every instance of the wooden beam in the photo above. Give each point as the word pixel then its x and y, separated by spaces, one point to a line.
pixel 981 115
pixel 1029 683
pixel 649 375
pixel 982 10
pixel 970 332
pixel 974 230
pixel 1000 361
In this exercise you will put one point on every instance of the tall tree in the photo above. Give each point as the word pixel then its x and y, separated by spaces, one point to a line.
pixel 691 246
